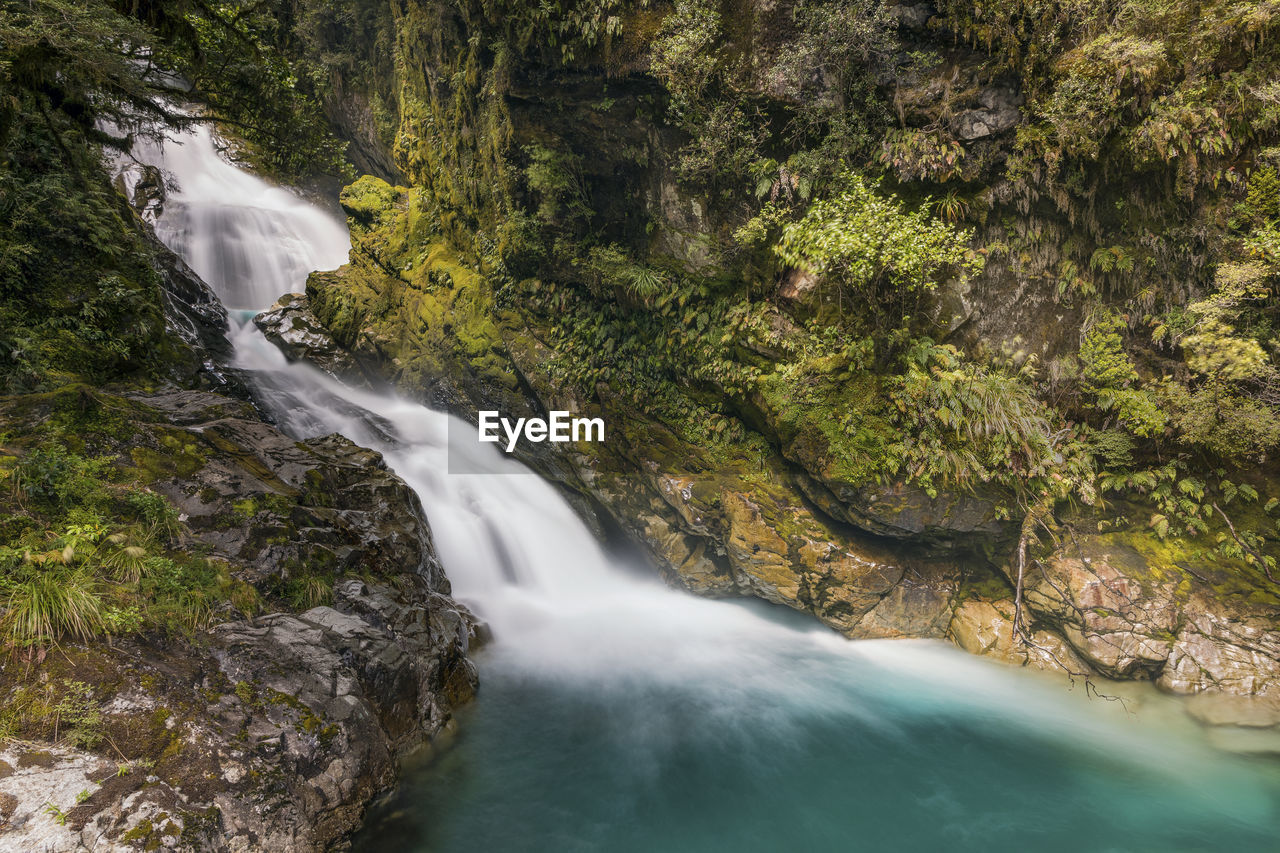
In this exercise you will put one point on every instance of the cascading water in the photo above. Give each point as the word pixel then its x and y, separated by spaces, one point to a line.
pixel 618 715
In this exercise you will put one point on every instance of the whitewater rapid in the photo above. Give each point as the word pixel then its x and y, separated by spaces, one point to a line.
pixel 566 617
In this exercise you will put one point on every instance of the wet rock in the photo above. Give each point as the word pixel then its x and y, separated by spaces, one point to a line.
pixel 797 285
pixel 258 497
pixel 1216 652
pixel 1224 709
pixel 913 16
pixel 193 313
pixel 265 733
pixel 1135 615
pixel 291 326
pixel 144 187
pixel 761 542
pixel 985 628
pixel 912 608
pixel 343 691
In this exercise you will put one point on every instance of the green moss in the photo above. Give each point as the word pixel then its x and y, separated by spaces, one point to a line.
pixel 141 833
pixel 988 587
pixel 830 422
pixel 178 457
pixel 371 202
pixel 428 310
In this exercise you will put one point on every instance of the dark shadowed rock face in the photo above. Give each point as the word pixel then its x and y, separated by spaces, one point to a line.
pixel 261 732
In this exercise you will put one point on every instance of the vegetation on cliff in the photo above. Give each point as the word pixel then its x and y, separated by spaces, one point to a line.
pixel 1023 253
pixel 79 291
pixel 87 549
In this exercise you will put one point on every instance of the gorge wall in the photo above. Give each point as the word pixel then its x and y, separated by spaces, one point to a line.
pixel 1049 356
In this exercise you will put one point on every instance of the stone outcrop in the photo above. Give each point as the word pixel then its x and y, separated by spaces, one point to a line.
pixel 269 730
pixel 1172 619
pixel 291 326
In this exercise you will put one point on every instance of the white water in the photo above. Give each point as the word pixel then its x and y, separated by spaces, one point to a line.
pixel 249 240
pixel 566 618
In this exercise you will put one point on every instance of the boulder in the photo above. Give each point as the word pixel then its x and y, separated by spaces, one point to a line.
pixel 997 112
pixel 1191 626
pixel 1116 612
pixel 1221 653
pixel 983 627
pixel 291 326
pixel 943 522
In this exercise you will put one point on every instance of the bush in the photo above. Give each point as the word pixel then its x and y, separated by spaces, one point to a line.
pixel 873 247
pixel 160 516
pixel 63 480
pixel 961 423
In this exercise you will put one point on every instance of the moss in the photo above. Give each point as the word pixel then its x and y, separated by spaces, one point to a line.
pixel 1180 560
pixel 831 424
pixel 306 721
pixel 986 588
pixel 177 457
pixel 141 833
pixel 370 202
pixel 246 508
pixel 428 310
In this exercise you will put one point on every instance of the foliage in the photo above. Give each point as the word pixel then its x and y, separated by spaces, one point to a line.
pixel 962 423
pixel 920 154
pixel 236 56
pixel 78 295
pixel 46 601
pixel 556 178
pixel 61 479
pixel 88 551
pixel 1221 420
pixel 884 256
pixel 99 579
pixel 1107 372
pixel 684 54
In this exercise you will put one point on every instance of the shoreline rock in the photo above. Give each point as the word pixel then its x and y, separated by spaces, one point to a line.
pixel 271 731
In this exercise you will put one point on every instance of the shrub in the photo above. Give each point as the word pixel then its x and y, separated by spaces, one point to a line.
pixel 62 480
pixel 873 246
pixel 160 515
pixel 962 423
pixel 1107 372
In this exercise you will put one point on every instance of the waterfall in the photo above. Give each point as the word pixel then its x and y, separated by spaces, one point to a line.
pixel 618 714
pixel 251 241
